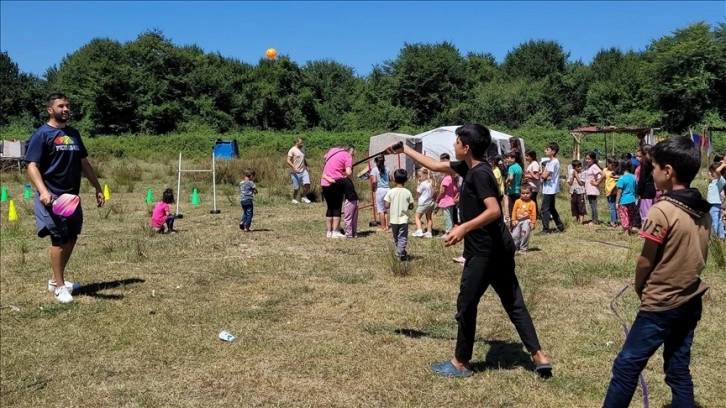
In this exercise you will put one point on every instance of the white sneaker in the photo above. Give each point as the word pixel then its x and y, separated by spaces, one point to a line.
pixel 62 295
pixel 295 202
pixel 427 234
pixel 329 234
pixel 70 285
pixel 417 233
pixel 445 237
pixel 305 200
pixel 337 234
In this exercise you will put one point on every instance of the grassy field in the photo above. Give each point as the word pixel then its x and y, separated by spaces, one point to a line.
pixel 319 322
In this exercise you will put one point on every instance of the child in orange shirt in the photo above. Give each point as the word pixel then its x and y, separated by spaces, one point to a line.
pixel 524 218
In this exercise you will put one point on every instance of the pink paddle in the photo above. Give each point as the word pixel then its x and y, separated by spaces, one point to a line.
pixel 65 205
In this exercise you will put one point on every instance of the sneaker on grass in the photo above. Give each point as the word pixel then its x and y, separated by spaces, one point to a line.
pixel 427 234
pixel 295 202
pixel 70 285
pixel 305 200
pixel 63 295
pixel 417 233
pixel 337 234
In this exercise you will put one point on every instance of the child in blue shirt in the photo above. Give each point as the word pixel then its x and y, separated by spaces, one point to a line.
pixel 625 197
pixel 713 196
pixel 247 190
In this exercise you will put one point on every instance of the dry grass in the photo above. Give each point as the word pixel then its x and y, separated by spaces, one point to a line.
pixel 319 322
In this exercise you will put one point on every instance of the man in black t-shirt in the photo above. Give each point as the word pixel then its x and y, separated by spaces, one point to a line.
pixel 56 159
pixel 488 249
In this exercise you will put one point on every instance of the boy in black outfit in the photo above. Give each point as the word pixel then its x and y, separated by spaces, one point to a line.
pixel 488 249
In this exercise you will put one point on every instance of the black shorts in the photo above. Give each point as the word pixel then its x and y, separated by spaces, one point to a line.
pixel 577 204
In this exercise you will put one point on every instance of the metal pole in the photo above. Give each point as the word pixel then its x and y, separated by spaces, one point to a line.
pixel 214 185
pixel 178 184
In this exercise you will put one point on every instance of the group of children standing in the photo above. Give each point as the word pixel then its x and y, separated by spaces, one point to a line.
pixel 630 192
pixel 393 204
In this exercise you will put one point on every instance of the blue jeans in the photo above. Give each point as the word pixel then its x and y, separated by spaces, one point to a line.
pixel 170 221
pixel 716 220
pixel 247 212
pixel 400 238
pixel 613 211
pixel 674 329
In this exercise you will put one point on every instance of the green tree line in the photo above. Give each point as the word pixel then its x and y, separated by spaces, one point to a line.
pixel 153 86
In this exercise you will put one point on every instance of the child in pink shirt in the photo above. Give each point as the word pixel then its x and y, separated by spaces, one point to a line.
pixel 447 194
pixel 162 214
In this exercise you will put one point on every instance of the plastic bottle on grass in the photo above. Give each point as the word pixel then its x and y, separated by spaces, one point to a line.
pixel 226 336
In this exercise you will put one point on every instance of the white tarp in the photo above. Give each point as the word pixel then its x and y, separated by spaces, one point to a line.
pixel 12 148
pixel 441 140
pixel 431 143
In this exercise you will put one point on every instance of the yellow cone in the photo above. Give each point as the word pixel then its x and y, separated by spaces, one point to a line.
pixel 12 213
pixel 106 193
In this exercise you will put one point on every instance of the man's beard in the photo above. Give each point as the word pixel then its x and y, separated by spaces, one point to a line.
pixel 61 118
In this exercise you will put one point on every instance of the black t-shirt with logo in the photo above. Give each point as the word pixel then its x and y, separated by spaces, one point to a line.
pixel 58 153
pixel 480 183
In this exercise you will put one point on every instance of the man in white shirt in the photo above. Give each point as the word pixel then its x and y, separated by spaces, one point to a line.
pixel 298 171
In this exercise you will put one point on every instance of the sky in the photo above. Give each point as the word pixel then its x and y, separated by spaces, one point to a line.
pixel 360 34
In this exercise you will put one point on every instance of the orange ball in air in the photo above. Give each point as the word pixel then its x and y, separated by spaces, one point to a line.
pixel 271 53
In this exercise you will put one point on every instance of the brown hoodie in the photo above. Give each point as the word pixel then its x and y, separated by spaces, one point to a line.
pixel 680 223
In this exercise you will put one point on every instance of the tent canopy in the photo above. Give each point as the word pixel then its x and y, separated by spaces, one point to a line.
pixel 645 134
pixel 441 140
pixel 432 143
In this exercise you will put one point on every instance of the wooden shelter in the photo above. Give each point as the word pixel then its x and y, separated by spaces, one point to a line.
pixel 645 134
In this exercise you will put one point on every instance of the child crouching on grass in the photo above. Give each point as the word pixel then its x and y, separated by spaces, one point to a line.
pixel 162 214
pixel 677 227
pixel 398 202
pixel 247 190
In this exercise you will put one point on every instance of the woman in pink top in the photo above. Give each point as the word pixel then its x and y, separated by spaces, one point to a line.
pixel 338 165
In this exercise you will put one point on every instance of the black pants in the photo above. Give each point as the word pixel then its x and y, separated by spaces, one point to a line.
pixel 333 195
pixel 479 273
pixel 549 212
pixel 536 206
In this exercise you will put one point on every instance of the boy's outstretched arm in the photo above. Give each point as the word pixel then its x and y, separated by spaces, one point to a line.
pixel 425 161
pixel 645 264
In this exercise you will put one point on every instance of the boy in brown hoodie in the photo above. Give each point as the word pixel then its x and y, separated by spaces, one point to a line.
pixel 667 277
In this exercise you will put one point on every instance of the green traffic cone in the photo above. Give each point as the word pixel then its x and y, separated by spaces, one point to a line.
pixel 4 194
pixel 149 197
pixel 28 194
pixel 195 197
